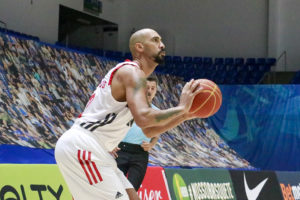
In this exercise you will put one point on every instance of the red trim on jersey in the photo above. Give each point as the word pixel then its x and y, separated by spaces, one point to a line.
pixel 87 162
pixel 114 71
pixel 83 167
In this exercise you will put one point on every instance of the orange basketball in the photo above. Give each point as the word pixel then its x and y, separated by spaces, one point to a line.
pixel 208 101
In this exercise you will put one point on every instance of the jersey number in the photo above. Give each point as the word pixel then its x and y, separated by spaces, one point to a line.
pixel 109 118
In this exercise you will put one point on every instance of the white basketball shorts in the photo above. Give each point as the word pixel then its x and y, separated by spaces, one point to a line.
pixel 90 172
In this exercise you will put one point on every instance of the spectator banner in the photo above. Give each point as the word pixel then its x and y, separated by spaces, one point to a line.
pixel 250 115
pixel 154 186
pixel 289 184
pixel 32 182
pixel 192 184
pixel 258 185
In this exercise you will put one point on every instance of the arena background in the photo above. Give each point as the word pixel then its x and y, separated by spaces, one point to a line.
pixel 45 84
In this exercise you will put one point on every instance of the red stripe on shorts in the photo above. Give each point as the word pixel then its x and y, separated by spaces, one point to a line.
pixel 97 172
pixel 83 167
pixel 87 162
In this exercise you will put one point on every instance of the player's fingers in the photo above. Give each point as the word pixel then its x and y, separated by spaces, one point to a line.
pixel 198 89
pixel 194 85
pixel 187 85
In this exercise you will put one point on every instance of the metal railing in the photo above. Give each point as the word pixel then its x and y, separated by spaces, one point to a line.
pixel 5 25
pixel 284 56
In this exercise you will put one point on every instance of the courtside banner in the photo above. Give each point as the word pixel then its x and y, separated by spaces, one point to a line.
pixel 154 186
pixel 289 185
pixel 194 184
pixel 32 182
pixel 258 185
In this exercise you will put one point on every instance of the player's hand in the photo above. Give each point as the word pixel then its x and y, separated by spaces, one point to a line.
pixel 146 146
pixel 189 116
pixel 114 152
pixel 189 91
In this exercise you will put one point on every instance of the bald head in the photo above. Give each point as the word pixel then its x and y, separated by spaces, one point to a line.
pixel 139 37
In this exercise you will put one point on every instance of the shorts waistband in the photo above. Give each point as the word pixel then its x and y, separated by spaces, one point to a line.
pixel 132 148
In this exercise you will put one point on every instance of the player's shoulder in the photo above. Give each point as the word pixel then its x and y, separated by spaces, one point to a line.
pixel 127 63
pixel 129 69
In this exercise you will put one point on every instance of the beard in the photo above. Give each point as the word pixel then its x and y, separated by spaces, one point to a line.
pixel 159 59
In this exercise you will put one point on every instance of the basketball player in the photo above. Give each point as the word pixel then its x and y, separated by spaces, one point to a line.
pixel 83 152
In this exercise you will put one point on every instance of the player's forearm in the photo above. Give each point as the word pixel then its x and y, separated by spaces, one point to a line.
pixel 152 118
pixel 155 131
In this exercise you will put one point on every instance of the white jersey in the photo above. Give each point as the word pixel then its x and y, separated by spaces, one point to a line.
pixel 109 120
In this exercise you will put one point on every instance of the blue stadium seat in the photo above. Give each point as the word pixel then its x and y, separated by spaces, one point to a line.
pixel 229 61
pixel 251 68
pixel 271 61
pixel 230 68
pixel 107 53
pixel 260 61
pixel 242 77
pixel 258 74
pixel 197 60
pixel 219 61
pixel 207 61
pixel 168 59
pixel 128 55
pixel 118 55
pixel 296 78
pixel 240 68
pixel 211 68
pixel 99 52
pixel 264 68
pixel 239 61
pixel 190 67
pixel 250 61
pixel 221 68
pixel 187 59
pixel 176 59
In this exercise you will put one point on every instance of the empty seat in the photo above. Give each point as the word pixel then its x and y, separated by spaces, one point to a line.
pixel 168 59
pixel 117 55
pixel 271 61
pixel 221 68
pixel 239 61
pixel 264 68
pixel 99 52
pixel 207 61
pixel 197 60
pixel 176 59
pixel 128 55
pixel 219 61
pixel 251 68
pixel 187 59
pixel 108 53
pixel 250 61
pixel 260 61
pixel 229 61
